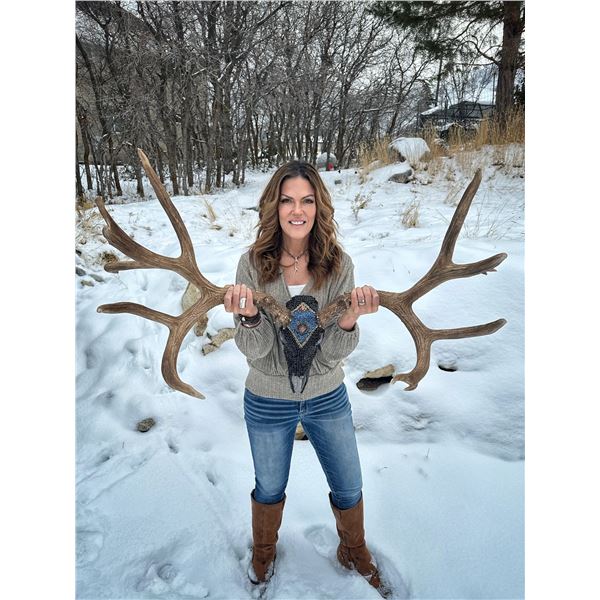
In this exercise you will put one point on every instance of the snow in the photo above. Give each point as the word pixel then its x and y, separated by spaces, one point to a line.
pixel 411 148
pixel 431 110
pixel 166 514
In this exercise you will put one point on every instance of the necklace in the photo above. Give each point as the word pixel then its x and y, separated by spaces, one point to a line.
pixel 296 259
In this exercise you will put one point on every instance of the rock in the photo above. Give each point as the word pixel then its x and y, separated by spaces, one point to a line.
pixel 300 435
pixel 368 384
pixel 449 366
pixel 402 177
pixel 87 282
pixel 146 425
pixel 381 372
pixel 98 278
pixel 79 271
pixel 337 182
pixel 373 379
pixel 191 296
pixel 410 149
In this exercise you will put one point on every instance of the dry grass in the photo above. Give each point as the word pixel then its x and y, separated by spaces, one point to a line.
pixel 88 224
pixel 468 161
pixel 437 151
pixel 359 203
pixel 454 194
pixel 436 147
pixel 490 132
pixel 108 256
pixel 410 216
pixel 507 140
pixel 211 215
pixel 492 220
pixel 374 155
pixel 512 133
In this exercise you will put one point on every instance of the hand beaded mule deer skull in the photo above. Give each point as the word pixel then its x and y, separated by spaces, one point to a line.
pixel 400 303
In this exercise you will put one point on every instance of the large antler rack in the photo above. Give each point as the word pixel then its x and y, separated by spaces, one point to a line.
pixel 443 269
pixel 185 265
pixel 211 295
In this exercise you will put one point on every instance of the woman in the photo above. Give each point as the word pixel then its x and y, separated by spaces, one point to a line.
pixel 296 252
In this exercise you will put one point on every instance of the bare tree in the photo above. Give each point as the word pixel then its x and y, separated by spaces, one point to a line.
pixel 210 87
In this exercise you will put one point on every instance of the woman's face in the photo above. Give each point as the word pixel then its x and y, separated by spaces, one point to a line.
pixel 297 209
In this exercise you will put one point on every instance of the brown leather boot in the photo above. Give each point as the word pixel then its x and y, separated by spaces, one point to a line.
pixel 352 551
pixel 266 520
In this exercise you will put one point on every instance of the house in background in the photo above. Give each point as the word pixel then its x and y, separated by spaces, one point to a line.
pixel 464 113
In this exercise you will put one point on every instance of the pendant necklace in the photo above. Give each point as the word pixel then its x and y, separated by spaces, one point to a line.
pixel 296 259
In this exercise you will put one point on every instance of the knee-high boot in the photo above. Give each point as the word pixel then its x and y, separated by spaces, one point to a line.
pixel 352 551
pixel 266 520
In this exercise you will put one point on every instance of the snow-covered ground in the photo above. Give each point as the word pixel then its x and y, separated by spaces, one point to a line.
pixel 166 514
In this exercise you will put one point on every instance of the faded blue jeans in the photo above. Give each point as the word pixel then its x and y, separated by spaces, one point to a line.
pixel 326 420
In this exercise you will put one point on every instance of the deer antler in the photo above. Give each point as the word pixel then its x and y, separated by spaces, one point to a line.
pixel 443 269
pixel 185 264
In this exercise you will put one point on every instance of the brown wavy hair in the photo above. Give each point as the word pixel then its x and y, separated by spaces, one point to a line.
pixel 324 251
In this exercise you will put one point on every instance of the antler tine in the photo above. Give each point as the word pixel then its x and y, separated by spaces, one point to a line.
pixel 187 248
pixel 443 269
pixel 178 328
pixel 185 265
pixel 458 218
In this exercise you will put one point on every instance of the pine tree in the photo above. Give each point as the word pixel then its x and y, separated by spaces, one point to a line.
pixel 434 24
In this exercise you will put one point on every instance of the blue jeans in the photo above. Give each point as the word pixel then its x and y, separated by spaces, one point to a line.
pixel 326 420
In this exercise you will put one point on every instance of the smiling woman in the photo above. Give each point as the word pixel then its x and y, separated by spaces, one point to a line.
pixel 297 210
pixel 295 373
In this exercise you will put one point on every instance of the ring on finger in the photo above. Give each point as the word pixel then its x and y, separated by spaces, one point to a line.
pixel 361 302
pixel 243 302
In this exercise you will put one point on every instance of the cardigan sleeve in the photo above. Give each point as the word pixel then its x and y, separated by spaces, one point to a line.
pixel 258 341
pixel 337 343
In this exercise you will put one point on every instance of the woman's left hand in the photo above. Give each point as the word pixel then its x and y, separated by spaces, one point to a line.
pixel 363 301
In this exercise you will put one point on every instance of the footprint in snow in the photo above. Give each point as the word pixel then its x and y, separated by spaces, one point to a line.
pixel 88 545
pixel 323 539
pixel 165 578
pixel 173 447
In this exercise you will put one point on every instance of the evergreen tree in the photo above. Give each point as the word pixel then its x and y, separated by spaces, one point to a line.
pixel 444 27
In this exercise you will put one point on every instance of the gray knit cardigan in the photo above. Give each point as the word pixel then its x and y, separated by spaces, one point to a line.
pixel 268 375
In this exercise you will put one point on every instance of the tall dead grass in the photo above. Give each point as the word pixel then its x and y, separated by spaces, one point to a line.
pixel 88 224
pixel 410 215
pixel 490 132
pixel 374 155
pixel 505 138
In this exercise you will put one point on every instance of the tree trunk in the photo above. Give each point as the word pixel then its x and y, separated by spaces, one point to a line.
pixel 82 119
pixel 80 192
pixel 509 59
pixel 101 116
pixel 137 169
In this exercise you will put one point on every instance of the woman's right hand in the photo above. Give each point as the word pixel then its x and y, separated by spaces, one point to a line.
pixel 234 294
